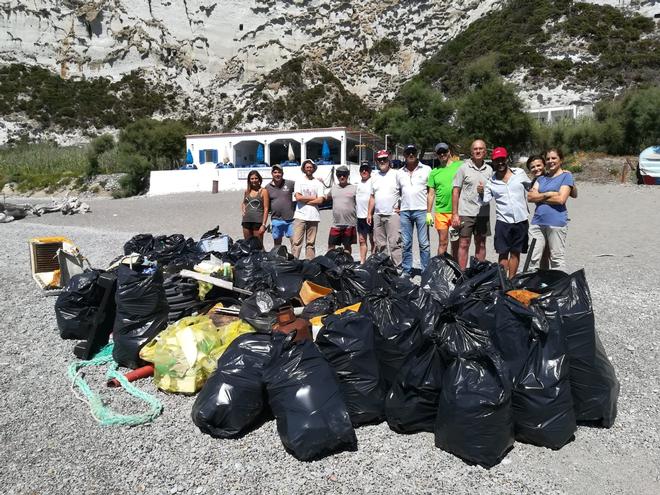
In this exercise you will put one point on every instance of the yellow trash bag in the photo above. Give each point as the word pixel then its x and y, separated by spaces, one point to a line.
pixel 186 353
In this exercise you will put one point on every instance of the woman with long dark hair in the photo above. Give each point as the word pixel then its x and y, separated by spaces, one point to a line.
pixel 550 222
pixel 254 207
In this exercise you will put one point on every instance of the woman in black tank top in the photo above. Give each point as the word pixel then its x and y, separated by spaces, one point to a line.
pixel 254 207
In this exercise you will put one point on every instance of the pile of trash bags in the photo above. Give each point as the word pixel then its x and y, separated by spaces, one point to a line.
pixel 479 360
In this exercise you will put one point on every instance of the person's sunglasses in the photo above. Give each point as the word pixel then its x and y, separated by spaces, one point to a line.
pixel 342 175
pixel 410 153
pixel 443 152
pixel 383 160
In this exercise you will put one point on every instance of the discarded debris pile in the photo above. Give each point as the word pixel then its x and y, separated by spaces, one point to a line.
pixel 327 345
pixel 68 206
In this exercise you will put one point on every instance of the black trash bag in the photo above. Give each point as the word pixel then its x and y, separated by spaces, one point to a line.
pixel 324 305
pixel 398 333
pixel 347 342
pixel 474 420
pixel 304 396
pixel 242 248
pixel 511 331
pixel 538 281
pixel 280 253
pixel 431 313
pixel 77 305
pixel 594 385
pixel 542 402
pixel 412 402
pixel 249 272
pixel 286 277
pixel 440 276
pixel 260 309
pixel 353 283
pixel 233 399
pixel 458 337
pixel 315 272
pixel 141 244
pixel 382 264
pixel 141 313
pixel 408 290
pixel 340 257
pixel 170 248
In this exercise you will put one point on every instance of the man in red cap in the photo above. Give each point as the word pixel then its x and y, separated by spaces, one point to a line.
pixel 383 211
pixel 508 187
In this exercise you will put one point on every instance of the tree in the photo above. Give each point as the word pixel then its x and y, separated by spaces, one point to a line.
pixel 495 113
pixel 97 147
pixel 419 115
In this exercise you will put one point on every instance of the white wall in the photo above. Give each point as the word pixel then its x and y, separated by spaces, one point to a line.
pixel 232 179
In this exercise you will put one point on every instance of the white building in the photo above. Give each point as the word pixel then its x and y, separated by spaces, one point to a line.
pixel 549 115
pixel 223 160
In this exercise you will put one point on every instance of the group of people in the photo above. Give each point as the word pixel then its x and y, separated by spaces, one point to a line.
pixel 384 209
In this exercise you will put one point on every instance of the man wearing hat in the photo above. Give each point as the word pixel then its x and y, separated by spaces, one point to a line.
pixel 308 192
pixel 469 215
pixel 342 232
pixel 362 195
pixel 280 193
pixel 508 187
pixel 383 211
pixel 413 183
pixel 438 206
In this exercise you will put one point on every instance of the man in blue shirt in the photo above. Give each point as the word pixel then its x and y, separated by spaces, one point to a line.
pixel 508 187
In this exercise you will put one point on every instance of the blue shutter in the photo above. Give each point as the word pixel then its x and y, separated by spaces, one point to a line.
pixel 215 156
pixel 201 156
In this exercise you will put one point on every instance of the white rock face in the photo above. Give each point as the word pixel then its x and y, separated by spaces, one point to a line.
pixel 216 51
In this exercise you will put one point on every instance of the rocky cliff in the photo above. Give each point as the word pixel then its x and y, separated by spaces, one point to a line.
pixel 220 55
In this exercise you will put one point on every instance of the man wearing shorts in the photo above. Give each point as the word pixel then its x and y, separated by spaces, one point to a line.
pixel 383 211
pixel 308 192
pixel 508 187
pixel 469 215
pixel 364 229
pixel 344 219
pixel 280 193
pixel 440 186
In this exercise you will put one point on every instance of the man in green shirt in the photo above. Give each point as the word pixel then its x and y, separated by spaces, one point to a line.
pixel 439 208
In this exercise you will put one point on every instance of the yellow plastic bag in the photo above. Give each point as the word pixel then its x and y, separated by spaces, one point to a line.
pixel 186 353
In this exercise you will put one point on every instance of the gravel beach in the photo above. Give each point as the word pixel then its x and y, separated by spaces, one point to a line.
pixel 51 444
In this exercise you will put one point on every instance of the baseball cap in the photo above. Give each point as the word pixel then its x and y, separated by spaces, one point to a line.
pixel 382 154
pixel 410 149
pixel 499 152
pixel 365 166
pixel 342 169
pixel 276 167
pixel 441 146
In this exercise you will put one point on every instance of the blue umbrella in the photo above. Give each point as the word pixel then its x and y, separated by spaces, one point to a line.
pixel 325 150
pixel 189 158
pixel 260 153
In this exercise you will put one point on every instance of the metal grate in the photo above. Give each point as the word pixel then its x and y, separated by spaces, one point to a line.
pixel 45 256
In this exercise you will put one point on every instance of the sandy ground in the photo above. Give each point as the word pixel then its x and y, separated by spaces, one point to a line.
pixel 50 444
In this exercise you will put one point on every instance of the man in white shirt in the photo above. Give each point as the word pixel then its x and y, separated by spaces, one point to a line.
pixel 383 211
pixel 309 194
pixel 413 183
pixel 508 187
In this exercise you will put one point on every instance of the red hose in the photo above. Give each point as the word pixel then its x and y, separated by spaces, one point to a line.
pixel 136 374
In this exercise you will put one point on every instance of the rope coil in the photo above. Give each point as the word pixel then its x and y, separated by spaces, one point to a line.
pixel 102 414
